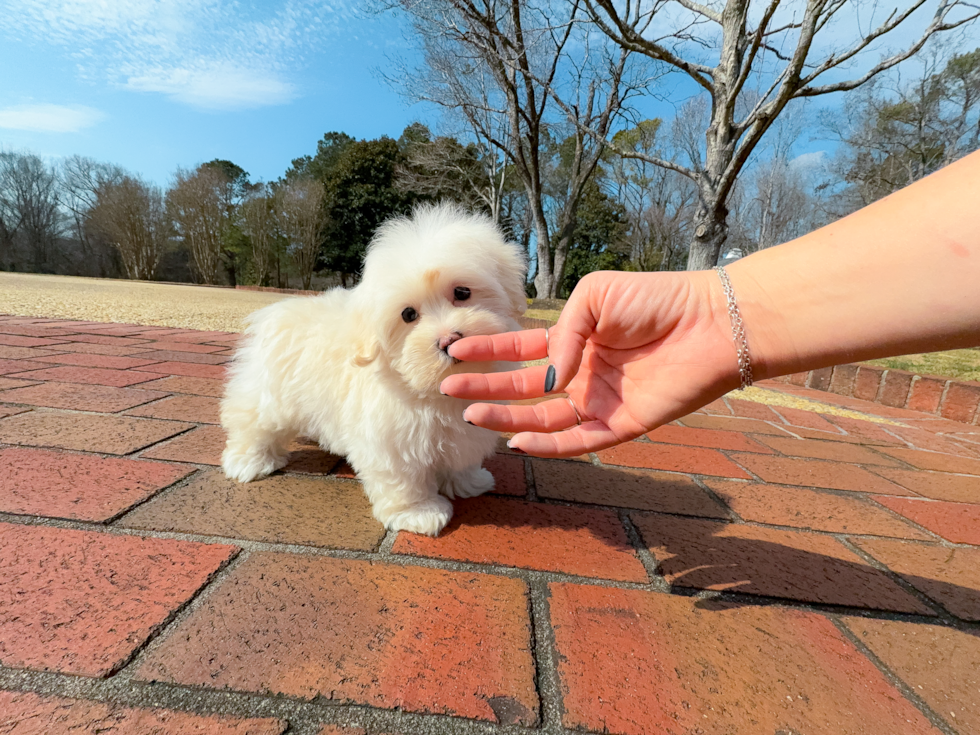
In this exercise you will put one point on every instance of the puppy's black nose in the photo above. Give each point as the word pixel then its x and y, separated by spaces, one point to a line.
pixel 448 339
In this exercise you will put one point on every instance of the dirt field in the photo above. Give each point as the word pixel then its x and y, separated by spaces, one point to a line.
pixel 129 302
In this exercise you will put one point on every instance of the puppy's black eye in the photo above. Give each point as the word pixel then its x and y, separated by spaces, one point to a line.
pixel 409 315
pixel 461 293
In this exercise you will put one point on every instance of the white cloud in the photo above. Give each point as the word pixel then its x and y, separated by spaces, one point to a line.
pixel 218 87
pixel 807 161
pixel 48 118
pixel 211 54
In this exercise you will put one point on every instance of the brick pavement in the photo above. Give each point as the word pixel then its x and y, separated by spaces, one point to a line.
pixel 747 569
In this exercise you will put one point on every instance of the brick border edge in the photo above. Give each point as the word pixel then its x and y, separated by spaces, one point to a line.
pixel 955 400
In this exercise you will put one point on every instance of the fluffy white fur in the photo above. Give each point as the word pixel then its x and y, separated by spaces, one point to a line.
pixel 345 369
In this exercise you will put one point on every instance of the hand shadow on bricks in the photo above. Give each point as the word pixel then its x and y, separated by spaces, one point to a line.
pixel 695 554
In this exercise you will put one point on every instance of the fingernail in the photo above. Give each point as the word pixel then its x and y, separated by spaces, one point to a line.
pixel 549 379
pixel 467 420
pixel 515 450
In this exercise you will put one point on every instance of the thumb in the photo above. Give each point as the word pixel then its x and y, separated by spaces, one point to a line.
pixel 566 340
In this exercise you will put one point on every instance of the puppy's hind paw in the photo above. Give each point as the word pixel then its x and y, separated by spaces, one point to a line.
pixel 428 517
pixel 248 466
pixel 468 483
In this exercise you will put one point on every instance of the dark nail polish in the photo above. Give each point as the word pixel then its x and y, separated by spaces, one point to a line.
pixel 468 421
pixel 515 450
pixel 549 379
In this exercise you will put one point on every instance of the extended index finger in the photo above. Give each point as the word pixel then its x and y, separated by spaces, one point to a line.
pixel 528 344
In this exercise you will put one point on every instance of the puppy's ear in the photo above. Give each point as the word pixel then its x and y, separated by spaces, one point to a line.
pixel 366 352
pixel 366 347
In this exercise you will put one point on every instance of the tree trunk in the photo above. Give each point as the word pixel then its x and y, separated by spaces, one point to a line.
pixel 544 282
pixel 710 233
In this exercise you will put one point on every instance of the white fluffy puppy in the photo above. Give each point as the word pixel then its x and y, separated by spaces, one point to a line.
pixel 359 370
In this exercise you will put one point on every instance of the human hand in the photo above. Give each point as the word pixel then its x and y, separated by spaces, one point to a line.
pixel 631 350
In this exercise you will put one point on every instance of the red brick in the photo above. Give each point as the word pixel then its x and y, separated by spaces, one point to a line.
pixel 768 561
pixel 752 410
pixel 801 508
pixel 91 349
pixel 808 419
pixel 895 388
pixel 866 431
pixel 960 403
pixel 660 491
pixel 174 346
pixel 41 330
pixel 23 353
pixel 417 639
pixel 797 378
pixel 7 383
pixel 15 341
pixel 634 662
pixel 936 485
pixel 867 382
pixel 204 445
pixel 79 397
pixel 184 384
pixel 26 713
pixel 724 423
pixel 6 410
pixel 82 359
pixel 190 369
pixel 926 394
pixel 109 341
pixel 508 474
pixel 90 376
pixel 820 379
pixel 192 357
pixel 86 432
pixel 306 458
pixel 951 577
pixel 941 665
pixel 717 407
pixel 200 409
pixel 202 337
pixel 671 434
pixel 11 367
pixel 934 460
pixel 835 451
pixel 932 442
pixel 842 380
pixel 283 509
pixel 78 486
pixel 81 602
pixel 956 522
pixel 581 541
pixel 817 473
pixel 694 460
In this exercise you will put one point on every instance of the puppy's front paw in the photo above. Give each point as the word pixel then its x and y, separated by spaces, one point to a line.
pixel 250 465
pixel 428 517
pixel 468 483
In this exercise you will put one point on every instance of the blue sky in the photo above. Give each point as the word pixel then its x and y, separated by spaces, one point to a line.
pixel 156 84
pixel 153 85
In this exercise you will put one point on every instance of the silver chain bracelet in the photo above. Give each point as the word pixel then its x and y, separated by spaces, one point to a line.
pixel 738 331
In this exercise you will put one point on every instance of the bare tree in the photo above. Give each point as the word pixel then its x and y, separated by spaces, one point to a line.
pixel 80 180
pixel 901 130
pixel 658 201
pixel 132 216
pixel 259 224
pixel 302 218
pixel 778 53
pixel 196 204
pixel 29 207
pixel 505 66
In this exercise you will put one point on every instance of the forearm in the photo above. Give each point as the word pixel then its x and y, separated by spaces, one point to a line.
pixel 900 276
